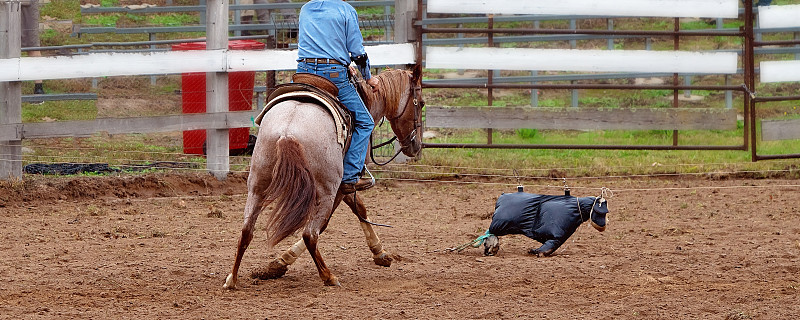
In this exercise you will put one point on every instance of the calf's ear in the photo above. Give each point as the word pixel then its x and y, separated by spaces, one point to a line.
pixel 599 211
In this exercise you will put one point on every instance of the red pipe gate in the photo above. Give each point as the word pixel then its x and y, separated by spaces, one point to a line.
pixel 745 34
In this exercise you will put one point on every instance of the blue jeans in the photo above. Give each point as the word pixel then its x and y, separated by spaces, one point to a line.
pixel 362 120
pixel 761 3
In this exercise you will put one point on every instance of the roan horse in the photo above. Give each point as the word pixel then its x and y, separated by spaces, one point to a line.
pixel 297 167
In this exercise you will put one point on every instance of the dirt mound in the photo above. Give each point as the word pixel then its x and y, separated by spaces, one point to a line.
pixel 49 188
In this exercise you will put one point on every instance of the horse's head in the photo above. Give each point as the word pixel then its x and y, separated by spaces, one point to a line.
pixel 406 119
pixel 399 100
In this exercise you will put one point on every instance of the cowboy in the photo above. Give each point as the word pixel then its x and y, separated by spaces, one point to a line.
pixel 328 41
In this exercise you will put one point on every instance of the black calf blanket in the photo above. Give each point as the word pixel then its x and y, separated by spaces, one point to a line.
pixel 548 219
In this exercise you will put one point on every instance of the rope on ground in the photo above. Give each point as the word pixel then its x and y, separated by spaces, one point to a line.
pixel 474 243
pixel 631 176
pixel 591 188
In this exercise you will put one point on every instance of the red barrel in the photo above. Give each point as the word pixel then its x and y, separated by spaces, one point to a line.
pixel 240 96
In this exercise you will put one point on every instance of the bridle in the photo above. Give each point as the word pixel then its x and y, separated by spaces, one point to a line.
pixel 408 140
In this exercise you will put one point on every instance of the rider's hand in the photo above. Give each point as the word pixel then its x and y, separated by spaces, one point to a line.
pixel 374 83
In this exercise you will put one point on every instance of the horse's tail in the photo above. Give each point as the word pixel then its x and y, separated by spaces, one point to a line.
pixel 292 189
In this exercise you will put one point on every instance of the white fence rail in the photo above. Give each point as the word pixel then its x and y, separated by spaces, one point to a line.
pixel 611 8
pixel 175 62
pixel 779 71
pixel 779 17
pixel 122 64
pixel 578 60
pixel 583 118
pixel 581 60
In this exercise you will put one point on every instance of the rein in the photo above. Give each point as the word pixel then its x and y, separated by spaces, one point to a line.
pixel 416 92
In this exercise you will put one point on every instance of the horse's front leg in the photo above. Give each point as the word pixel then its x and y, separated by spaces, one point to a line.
pixel 278 267
pixel 379 256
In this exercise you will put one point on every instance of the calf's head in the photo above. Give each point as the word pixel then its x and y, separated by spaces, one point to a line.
pixel 491 245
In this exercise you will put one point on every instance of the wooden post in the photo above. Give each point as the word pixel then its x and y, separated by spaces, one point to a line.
pixel 404 13
pixel 217 144
pixel 271 81
pixel 573 44
pixel 10 92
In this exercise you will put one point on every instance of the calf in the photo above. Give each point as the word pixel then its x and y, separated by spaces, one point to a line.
pixel 551 220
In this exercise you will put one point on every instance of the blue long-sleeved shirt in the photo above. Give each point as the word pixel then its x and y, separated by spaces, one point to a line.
pixel 329 29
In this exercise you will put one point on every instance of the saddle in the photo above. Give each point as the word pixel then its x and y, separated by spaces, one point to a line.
pixel 309 87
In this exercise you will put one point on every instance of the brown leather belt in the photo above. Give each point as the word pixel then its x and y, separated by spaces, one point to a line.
pixel 321 60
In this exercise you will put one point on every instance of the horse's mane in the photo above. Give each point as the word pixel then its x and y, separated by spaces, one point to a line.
pixel 395 85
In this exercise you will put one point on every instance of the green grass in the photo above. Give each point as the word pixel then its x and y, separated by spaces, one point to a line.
pixel 579 163
pixel 62 10
pixel 59 111
pixel 109 3
pixel 695 25
pixel 101 20
pixel 173 19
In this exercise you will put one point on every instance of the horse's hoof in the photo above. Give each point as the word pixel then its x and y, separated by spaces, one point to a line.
pixel 275 270
pixel 230 282
pixel 383 260
pixel 333 282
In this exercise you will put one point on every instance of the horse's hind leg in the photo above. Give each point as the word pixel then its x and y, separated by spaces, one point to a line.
pixel 252 209
pixel 317 224
pixel 379 256
pixel 278 267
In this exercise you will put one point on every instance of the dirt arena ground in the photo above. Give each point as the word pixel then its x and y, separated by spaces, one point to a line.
pixel 160 247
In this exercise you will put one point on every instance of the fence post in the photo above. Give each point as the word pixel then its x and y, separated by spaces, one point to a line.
pixel 534 73
pixel 152 37
pixel 534 91
pixel 687 80
pixel 797 37
pixel 237 19
pixel 573 44
pixel 404 13
pixel 10 92
pixel 387 30
pixel 728 93
pixel 203 12
pixel 217 144
pixel 460 45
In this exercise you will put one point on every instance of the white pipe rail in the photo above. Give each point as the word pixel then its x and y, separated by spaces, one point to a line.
pixel 581 60
pixel 173 62
pixel 779 16
pixel 610 8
